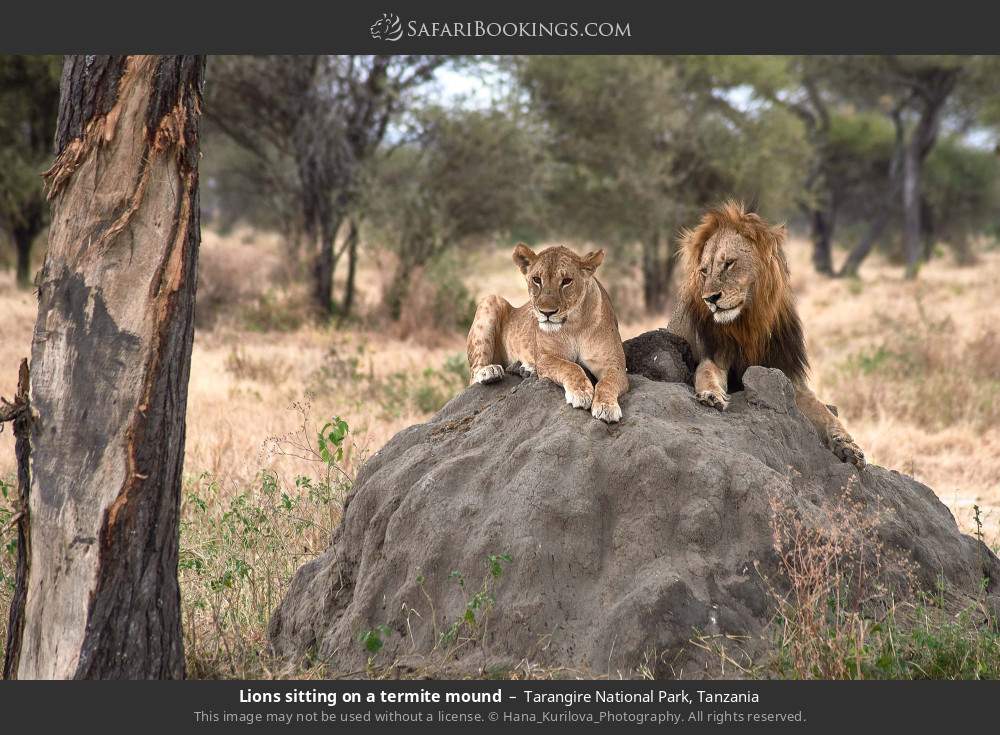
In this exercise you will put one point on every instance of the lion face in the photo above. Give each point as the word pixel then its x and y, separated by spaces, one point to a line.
pixel 727 272
pixel 558 280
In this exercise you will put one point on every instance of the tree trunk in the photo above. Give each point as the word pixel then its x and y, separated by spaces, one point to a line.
pixel 23 239
pixel 860 251
pixel 822 236
pixel 352 266
pixel 911 208
pixel 398 289
pixel 109 371
pixel 655 275
pixel 854 259
pixel 325 266
pixel 921 142
pixel 928 229
pixel 323 283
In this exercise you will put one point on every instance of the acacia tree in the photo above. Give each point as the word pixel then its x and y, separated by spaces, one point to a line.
pixel 323 118
pixel 914 92
pixel 109 372
pixel 815 89
pixel 641 145
pixel 466 174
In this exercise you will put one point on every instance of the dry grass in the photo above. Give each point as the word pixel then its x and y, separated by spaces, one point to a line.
pixel 832 569
pixel 913 368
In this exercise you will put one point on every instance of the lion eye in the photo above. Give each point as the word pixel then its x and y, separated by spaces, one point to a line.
pixel 566 282
pixel 536 280
pixel 704 271
pixel 727 265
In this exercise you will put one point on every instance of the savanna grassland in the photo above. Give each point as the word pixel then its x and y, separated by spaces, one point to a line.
pixel 913 366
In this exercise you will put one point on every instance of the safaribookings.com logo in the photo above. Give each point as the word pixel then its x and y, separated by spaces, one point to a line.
pixel 390 28
pixel 387 28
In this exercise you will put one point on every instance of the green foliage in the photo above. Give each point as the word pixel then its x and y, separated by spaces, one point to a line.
pixel 331 440
pixel 240 546
pixel 495 563
pixel 962 192
pixel 856 159
pixel 372 640
pixel 8 554
pixel 856 141
pixel 913 641
pixel 453 306
pixel 640 145
pixel 471 624
pixel 242 186
pixel 29 104
pixel 608 120
pixel 8 542
pixel 466 175
pixel 29 100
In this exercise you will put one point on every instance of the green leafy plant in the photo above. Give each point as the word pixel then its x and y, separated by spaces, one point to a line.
pixel 241 544
pixel 331 440
pixel 372 640
pixel 471 624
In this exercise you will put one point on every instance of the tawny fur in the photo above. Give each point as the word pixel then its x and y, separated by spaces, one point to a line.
pixel 568 322
pixel 736 310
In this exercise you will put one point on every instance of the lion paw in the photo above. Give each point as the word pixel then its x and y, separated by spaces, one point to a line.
pixel 847 451
pixel 488 374
pixel 715 400
pixel 525 371
pixel 608 411
pixel 581 398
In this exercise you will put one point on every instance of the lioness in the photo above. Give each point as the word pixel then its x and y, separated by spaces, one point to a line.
pixel 568 322
pixel 736 310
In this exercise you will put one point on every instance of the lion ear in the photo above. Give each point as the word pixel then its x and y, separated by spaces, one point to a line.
pixel 591 261
pixel 524 257
pixel 774 243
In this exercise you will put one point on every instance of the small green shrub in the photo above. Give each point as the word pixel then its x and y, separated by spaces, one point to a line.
pixel 240 547
pixel 471 625
pixel 8 542
pixel 372 640
pixel 8 553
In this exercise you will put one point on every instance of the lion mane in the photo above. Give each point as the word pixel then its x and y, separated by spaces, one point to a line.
pixel 768 332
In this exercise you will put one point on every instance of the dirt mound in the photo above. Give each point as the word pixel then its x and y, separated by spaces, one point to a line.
pixel 660 355
pixel 512 528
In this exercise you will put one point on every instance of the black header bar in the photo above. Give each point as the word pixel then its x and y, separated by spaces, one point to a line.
pixel 509 27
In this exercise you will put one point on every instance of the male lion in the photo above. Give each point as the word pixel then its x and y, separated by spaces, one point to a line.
pixel 568 322
pixel 736 310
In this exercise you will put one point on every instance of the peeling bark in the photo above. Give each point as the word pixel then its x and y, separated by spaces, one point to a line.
pixel 110 362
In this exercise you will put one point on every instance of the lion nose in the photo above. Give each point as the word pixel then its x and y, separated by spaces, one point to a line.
pixel 548 313
pixel 713 298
